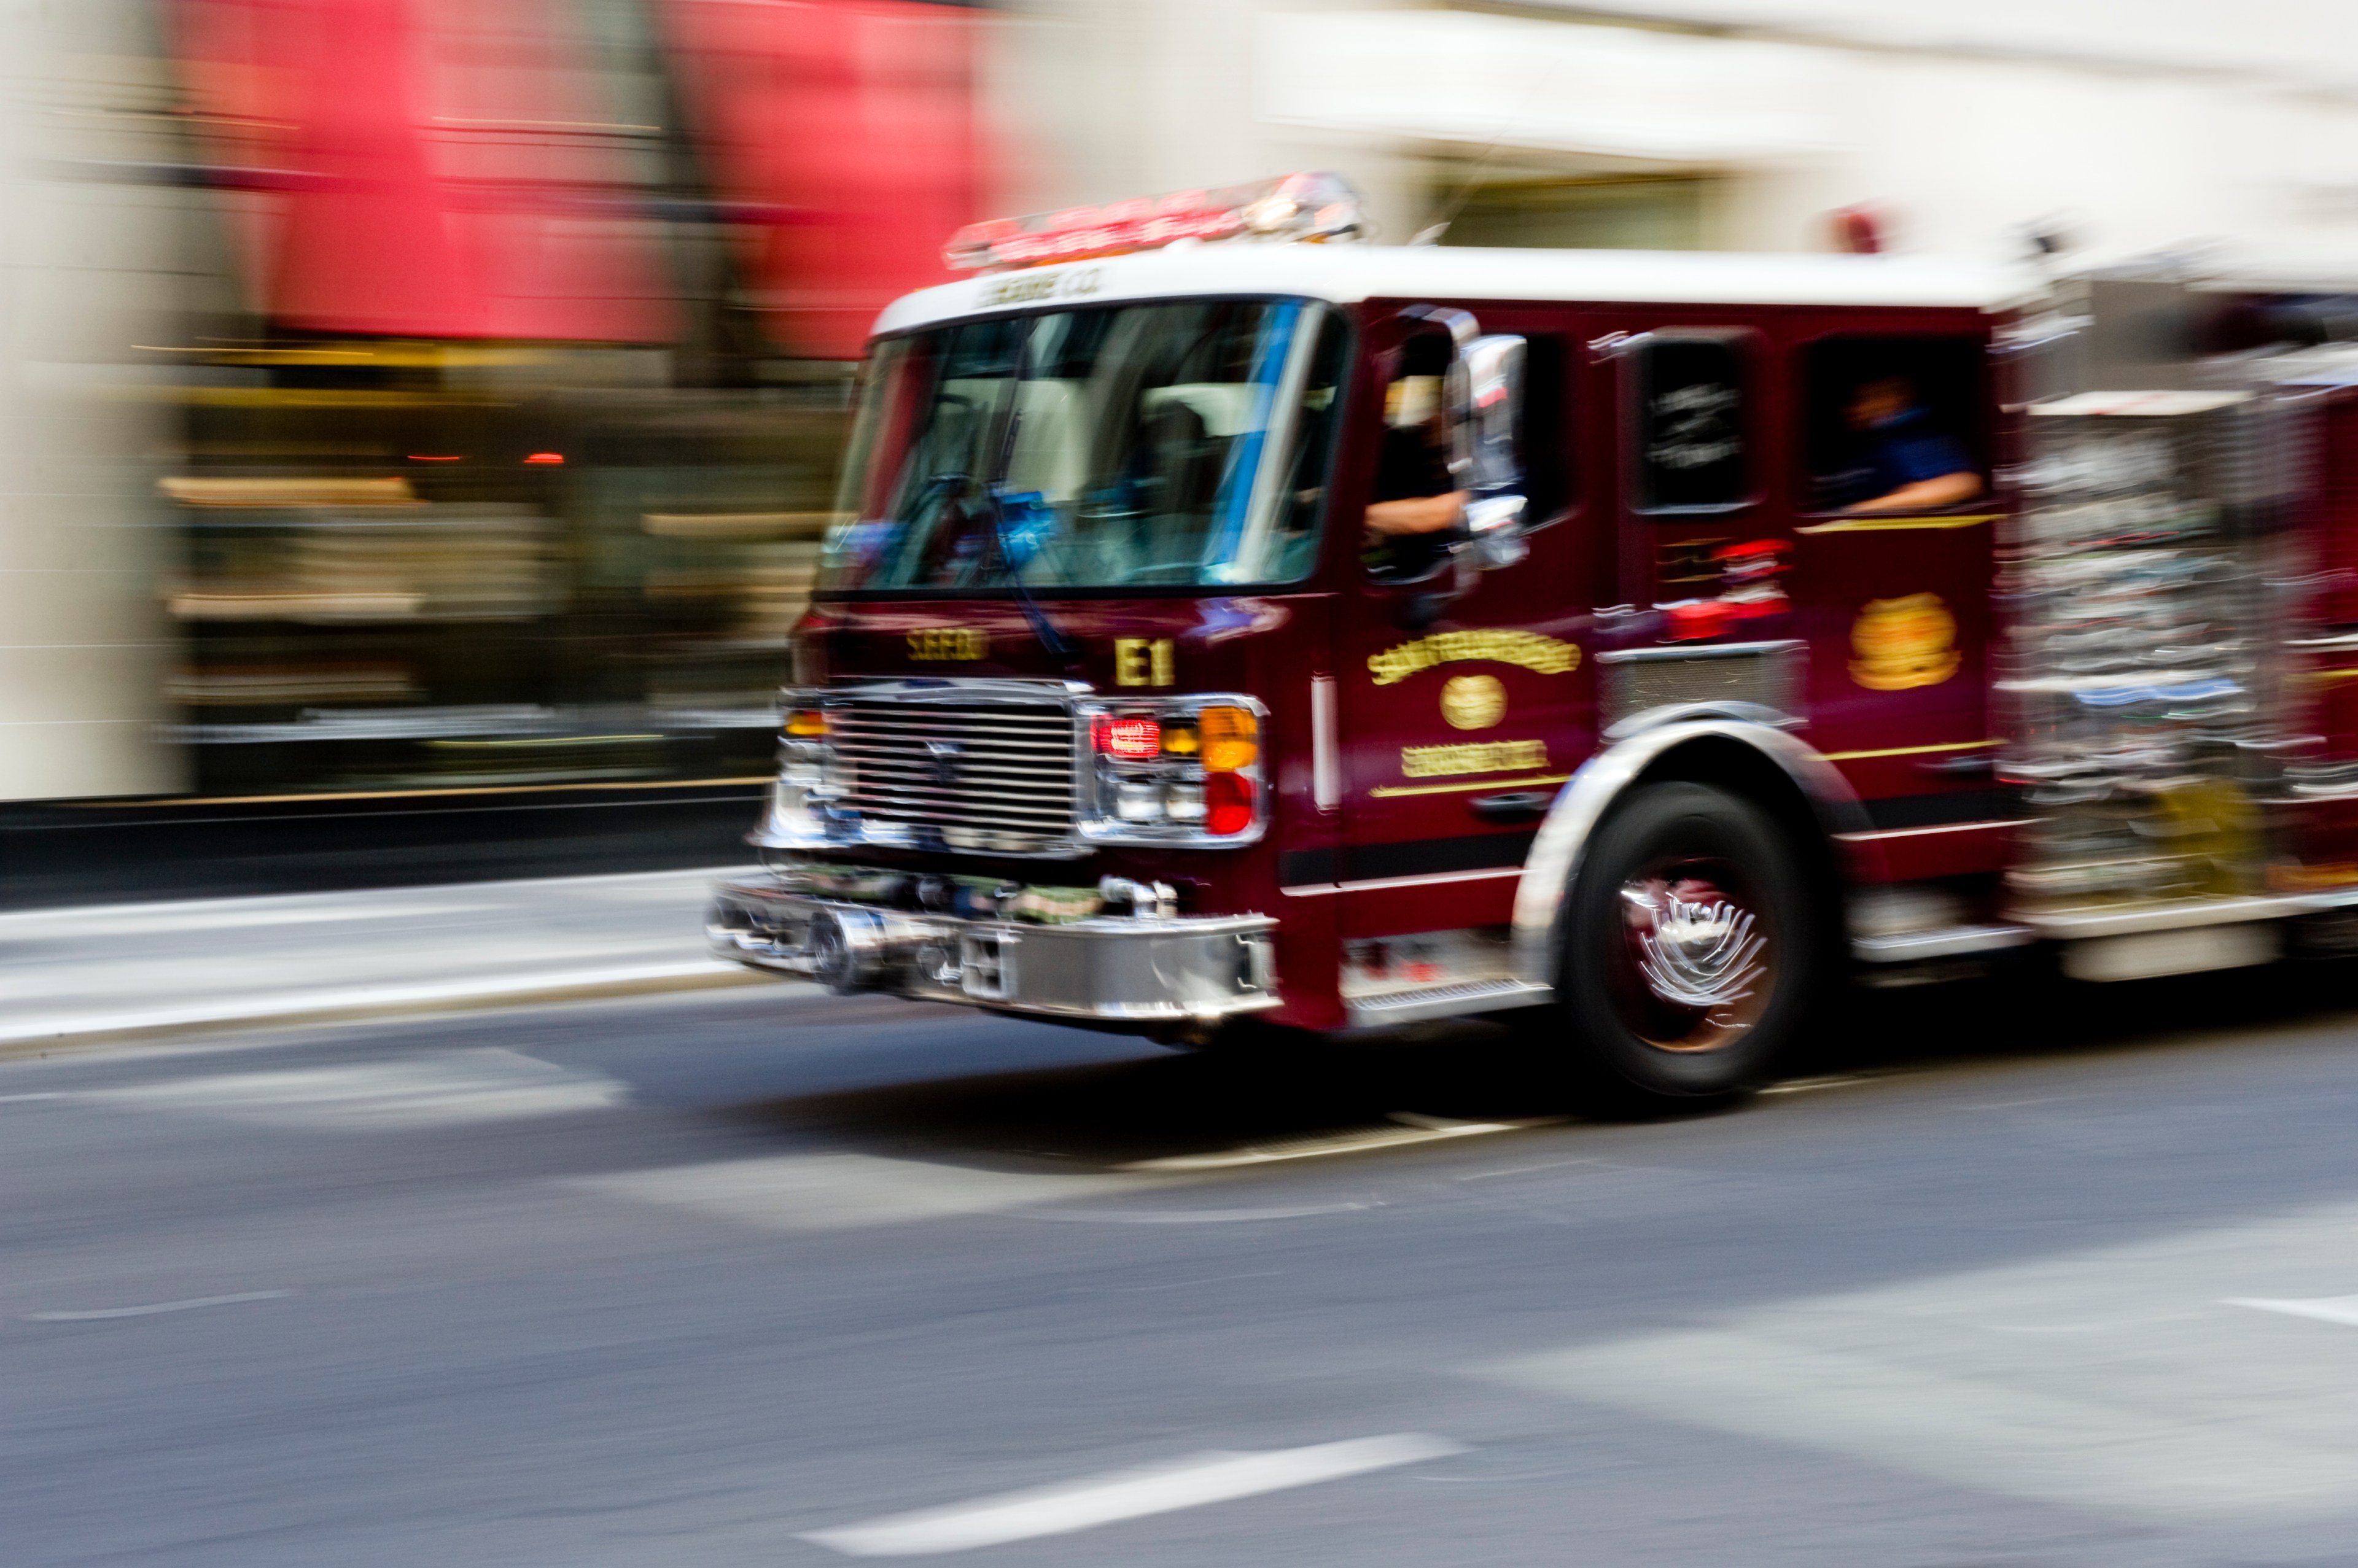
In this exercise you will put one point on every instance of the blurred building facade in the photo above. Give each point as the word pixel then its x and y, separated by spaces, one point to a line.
pixel 442 394
pixel 1949 125
pixel 456 384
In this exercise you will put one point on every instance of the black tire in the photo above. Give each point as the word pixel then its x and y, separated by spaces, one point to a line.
pixel 1689 950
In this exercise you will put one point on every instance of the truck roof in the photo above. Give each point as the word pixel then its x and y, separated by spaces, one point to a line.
pixel 1347 274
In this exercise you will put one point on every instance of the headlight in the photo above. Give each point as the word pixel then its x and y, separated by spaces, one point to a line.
pixel 806 779
pixel 1181 771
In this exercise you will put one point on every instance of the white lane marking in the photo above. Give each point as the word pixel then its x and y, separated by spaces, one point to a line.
pixel 454 1086
pixel 843 1192
pixel 1408 1126
pixel 1193 1284
pixel 140 925
pixel 491 898
pixel 1528 1170
pixel 2018 1104
pixel 19 1100
pixel 1807 1086
pixel 1126 1494
pixel 2324 1309
pixel 1195 1216
pixel 361 998
pixel 150 1310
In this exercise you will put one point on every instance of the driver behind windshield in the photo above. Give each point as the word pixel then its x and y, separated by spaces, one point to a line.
pixel 1417 498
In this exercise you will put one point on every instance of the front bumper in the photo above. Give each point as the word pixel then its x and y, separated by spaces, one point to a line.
pixel 1106 969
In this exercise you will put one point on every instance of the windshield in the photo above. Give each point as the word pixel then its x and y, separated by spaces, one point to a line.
pixel 1118 446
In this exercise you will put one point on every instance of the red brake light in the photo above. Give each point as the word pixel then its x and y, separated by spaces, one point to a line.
pixel 1228 804
pixel 1132 740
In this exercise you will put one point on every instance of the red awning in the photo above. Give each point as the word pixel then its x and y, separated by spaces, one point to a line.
pixel 849 128
pixel 433 168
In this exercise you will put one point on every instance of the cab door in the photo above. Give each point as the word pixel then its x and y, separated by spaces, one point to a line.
pixel 1465 696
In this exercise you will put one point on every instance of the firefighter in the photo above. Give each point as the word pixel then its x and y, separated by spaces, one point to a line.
pixel 1417 498
pixel 1908 463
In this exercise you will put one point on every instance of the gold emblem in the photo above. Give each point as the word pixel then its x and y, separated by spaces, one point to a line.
pixel 1903 643
pixel 1472 757
pixel 1144 660
pixel 937 645
pixel 1473 702
pixel 1529 649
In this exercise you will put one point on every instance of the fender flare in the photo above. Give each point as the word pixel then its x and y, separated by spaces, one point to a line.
pixel 1563 834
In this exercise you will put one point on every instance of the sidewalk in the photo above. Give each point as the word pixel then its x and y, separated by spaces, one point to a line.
pixel 71 975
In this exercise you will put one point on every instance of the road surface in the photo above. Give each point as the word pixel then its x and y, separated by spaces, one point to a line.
pixel 2019 1275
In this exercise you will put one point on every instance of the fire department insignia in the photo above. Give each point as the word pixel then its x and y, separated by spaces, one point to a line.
pixel 1473 702
pixel 1903 643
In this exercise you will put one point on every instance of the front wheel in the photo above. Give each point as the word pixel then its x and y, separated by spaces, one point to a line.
pixel 1689 952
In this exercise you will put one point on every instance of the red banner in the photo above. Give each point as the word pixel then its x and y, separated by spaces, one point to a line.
pixel 433 168
pixel 849 128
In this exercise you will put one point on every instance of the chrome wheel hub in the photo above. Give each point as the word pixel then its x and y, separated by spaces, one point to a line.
pixel 1694 948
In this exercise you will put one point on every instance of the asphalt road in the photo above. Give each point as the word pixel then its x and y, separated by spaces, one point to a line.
pixel 2023 1276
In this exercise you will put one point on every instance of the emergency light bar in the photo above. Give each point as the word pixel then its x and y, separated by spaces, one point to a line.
pixel 1309 207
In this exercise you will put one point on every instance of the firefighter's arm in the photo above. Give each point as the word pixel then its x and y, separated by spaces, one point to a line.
pixel 1421 514
pixel 1944 490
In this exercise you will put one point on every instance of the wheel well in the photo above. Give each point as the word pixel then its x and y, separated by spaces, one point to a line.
pixel 1740 770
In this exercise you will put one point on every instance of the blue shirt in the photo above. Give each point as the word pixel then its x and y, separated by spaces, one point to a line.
pixel 1902 450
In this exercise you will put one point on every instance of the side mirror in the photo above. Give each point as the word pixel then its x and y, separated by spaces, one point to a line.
pixel 1493 412
pixel 1492 439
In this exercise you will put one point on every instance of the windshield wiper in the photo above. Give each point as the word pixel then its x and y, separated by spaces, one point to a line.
pixel 1004 554
pixel 1043 629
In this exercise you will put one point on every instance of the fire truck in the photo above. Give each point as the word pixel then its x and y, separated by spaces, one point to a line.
pixel 1232 626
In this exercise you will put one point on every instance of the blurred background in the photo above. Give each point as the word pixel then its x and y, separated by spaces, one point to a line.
pixel 417 406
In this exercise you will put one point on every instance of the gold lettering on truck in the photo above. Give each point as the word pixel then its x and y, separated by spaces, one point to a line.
pixel 1472 757
pixel 939 644
pixel 1547 656
pixel 1145 661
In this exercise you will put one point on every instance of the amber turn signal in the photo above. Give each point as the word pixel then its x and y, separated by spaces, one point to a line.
pixel 1230 737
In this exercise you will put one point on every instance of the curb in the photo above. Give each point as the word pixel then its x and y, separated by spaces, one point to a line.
pixel 21 1038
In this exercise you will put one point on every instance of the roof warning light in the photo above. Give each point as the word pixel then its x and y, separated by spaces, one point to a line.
pixel 1306 208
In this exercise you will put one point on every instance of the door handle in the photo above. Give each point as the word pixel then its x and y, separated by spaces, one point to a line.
pixel 1520 806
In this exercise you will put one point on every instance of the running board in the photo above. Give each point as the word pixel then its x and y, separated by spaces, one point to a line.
pixel 1454 998
pixel 2176 914
pixel 1940 942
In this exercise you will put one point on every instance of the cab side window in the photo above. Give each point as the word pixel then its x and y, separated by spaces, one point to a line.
pixel 1689 450
pixel 1893 424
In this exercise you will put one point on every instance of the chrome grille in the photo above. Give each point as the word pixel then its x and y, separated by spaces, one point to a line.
pixel 990 777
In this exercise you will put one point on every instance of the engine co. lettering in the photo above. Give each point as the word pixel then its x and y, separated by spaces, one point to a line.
pixel 936 645
pixel 1019 290
pixel 1026 288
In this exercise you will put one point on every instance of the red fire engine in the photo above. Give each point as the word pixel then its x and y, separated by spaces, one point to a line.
pixel 1228 624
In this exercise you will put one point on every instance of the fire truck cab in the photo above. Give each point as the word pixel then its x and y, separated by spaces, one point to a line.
pixel 1227 623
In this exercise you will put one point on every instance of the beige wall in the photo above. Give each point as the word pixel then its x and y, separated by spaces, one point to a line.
pixel 86 271
pixel 2136 126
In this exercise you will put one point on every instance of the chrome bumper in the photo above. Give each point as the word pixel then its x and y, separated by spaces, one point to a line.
pixel 1109 969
